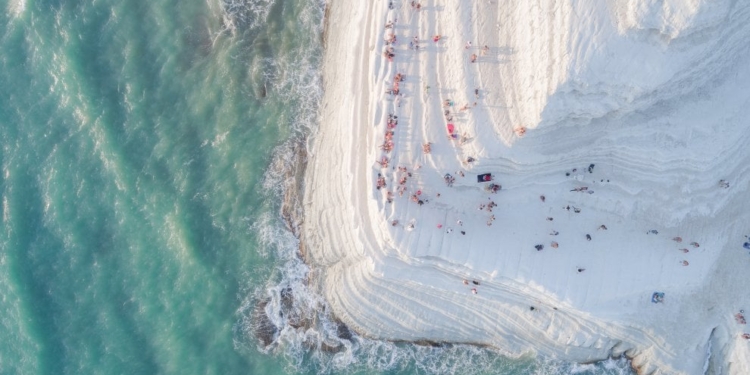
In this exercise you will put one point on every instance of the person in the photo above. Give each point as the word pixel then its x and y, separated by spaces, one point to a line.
pixel 581 270
pixel 740 318
pixel 468 44
pixel 427 148
pixel 473 57
pixel 657 297
pixel 436 38
pixel 389 54
pixel 476 93
pixel 474 290
pixel 485 49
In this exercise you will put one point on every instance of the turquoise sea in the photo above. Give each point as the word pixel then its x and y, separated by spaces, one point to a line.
pixel 144 146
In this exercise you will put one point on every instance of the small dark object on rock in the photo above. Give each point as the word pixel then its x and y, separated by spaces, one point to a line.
pixel 539 247
pixel 550 219
pixel 542 197
pixel 463 232
pixel 588 237
pixel 532 308
pixel 581 270
pixel 591 168
pixel 475 282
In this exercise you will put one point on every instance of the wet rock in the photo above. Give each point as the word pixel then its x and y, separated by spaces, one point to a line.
pixel 265 330
pixel 342 331
pixel 433 344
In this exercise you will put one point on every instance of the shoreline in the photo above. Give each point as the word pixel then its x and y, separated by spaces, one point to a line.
pixel 369 272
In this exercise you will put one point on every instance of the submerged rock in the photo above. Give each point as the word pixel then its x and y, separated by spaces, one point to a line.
pixel 265 330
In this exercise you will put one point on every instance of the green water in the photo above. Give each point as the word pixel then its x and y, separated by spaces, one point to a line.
pixel 140 148
pixel 135 137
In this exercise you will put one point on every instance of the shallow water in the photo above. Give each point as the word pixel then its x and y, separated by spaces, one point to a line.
pixel 143 146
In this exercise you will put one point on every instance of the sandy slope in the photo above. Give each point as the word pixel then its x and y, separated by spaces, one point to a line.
pixel 653 93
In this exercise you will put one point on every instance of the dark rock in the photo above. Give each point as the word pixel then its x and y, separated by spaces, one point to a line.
pixel 433 344
pixel 265 330
pixel 342 331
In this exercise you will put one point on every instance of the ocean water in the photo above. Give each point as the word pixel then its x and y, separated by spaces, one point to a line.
pixel 145 146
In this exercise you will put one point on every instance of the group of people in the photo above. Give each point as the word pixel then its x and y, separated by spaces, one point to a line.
pixel 387 145
pixel 473 58
pixel 403 176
